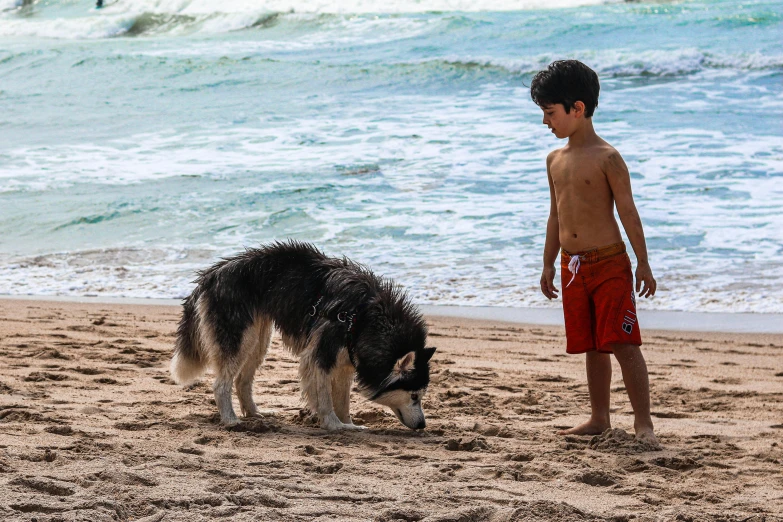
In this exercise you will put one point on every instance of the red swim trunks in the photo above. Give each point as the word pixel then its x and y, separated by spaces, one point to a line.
pixel 598 299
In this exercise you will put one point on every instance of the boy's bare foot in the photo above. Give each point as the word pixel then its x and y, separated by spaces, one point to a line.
pixel 591 427
pixel 647 436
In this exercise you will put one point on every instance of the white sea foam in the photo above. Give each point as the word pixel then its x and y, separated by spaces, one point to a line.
pixel 219 16
pixel 342 6
pixel 476 245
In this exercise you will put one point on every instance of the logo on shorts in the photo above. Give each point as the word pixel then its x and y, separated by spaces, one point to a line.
pixel 633 299
pixel 628 321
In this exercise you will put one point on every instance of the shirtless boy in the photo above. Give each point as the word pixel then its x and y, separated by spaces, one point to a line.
pixel 587 178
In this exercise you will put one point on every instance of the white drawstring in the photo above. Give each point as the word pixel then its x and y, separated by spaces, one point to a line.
pixel 573 267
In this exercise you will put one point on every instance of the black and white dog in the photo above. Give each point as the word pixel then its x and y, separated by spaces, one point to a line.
pixel 335 315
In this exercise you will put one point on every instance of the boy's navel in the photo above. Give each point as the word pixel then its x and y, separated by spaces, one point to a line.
pixel 574 236
pixel 587 181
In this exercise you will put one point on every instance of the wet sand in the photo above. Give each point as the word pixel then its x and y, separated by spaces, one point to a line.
pixel 92 428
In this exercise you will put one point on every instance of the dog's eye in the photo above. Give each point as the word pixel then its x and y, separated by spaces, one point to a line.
pixel 414 397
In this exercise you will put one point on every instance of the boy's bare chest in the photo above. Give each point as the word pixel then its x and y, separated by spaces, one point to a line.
pixel 578 174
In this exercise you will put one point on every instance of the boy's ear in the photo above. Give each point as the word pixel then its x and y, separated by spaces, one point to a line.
pixel 579 108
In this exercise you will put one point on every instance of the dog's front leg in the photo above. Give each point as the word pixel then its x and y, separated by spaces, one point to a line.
pixel 325 406
pixel 342 379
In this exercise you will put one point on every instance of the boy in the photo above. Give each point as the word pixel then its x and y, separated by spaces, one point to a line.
pixel 587 178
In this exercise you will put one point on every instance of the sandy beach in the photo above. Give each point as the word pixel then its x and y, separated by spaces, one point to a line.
pixel 92 428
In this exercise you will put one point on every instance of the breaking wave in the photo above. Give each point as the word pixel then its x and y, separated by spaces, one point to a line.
pixel 617 63
pixel 136 24
pixel 154 17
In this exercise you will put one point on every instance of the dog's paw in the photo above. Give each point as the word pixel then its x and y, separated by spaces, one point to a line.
pixel 230 422
pixel 260 414
pixel 354 427
pixel 332 423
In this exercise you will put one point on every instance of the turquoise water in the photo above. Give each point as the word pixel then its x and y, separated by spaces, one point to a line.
pixel 145 140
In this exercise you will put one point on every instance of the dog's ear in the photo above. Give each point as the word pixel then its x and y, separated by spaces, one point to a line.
pixel 405 363
pixel 428 353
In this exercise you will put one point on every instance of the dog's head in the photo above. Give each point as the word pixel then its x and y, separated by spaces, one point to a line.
pixel 390 354
pixel 405 386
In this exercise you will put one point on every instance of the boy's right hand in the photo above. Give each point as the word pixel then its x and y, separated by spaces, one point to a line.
pixel 548 283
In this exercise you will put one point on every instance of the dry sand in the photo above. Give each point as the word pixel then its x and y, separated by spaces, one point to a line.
pixel 92 428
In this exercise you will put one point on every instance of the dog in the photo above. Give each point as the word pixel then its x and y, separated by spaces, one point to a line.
pixel 335 315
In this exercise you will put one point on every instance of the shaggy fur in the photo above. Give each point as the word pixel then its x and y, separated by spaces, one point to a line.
pixel 335 315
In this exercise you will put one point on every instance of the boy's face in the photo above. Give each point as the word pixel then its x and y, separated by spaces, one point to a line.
pixel 561 123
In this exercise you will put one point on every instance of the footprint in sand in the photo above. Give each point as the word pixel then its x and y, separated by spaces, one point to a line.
pixel 49 486
pixel 14 414
pixel 59 430
pixel 466 444
pixel 256 497
pixel 253 426
pixel 676 463
pixel 401 514
pixel 326 469
pixel 46 456
pixel 109 380
pixel 46 376
pixel 596 477
pixel 124 478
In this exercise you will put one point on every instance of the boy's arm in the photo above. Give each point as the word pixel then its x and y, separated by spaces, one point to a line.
pixel 552 244
pixel 620 182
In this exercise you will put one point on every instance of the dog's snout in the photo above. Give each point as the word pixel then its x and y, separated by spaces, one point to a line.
pixel 421 424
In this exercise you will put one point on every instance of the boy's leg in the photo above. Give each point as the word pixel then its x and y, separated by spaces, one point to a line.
pixel 599 378
pixel 637 385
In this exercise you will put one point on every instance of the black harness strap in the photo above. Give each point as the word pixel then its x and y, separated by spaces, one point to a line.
pixel 314 313
pixel 350 333
pixel 343 317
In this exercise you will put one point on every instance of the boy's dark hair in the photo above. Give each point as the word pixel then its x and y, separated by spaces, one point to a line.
pixel 566 82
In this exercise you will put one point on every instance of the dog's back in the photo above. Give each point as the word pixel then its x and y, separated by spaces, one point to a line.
pixel 230 295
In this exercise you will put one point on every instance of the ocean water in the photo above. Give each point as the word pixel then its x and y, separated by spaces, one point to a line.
pixel 145 140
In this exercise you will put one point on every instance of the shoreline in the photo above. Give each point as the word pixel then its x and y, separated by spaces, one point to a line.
pixel 658 320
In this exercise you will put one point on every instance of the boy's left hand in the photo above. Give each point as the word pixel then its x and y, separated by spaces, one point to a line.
pixel 644 275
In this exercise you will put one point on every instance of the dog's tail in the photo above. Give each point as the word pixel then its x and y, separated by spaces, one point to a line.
pixel 188 363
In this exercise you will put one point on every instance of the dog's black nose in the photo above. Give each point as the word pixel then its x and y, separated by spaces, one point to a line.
pixel 421 425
